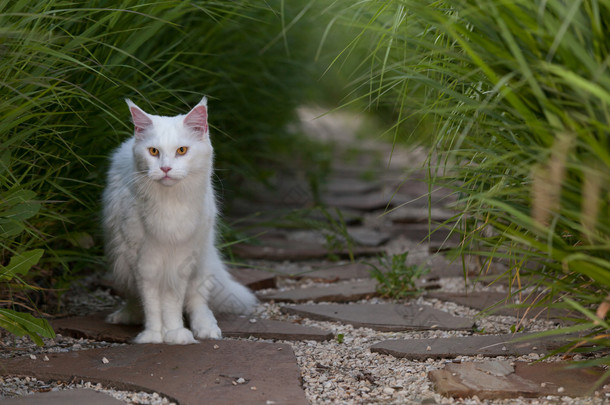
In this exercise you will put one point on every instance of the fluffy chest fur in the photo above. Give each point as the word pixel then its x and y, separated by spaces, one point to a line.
pixel 181 214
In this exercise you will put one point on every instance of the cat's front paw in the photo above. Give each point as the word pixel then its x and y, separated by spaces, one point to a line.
pixel 208 330
pixel 149 336
pixel 181 336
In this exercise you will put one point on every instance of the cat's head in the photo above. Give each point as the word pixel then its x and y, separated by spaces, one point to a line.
pixel 170 149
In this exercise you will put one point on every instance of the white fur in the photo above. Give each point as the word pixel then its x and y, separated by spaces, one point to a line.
pixel 160 231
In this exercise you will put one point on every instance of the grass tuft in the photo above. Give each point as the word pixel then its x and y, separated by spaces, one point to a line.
pixel 516 96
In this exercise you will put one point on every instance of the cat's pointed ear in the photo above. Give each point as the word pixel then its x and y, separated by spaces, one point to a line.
pixel 141 120
pixel 197 118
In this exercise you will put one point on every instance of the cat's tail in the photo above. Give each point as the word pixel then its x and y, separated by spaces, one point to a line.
pixel 229 296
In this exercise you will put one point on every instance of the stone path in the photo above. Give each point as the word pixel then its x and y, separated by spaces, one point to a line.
pixel 323 333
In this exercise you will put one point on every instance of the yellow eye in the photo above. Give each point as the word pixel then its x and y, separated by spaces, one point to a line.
pixel 153 151
pixel 182 150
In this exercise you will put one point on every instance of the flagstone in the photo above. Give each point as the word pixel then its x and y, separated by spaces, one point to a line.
pixel 497 379
pixel 254 279
pixel 350 270
pixel 382 317
pixel 64 397
pixel 410 213
pixel 438 265
pixel 439 239
pixel 350 185
pixel 486 345
pixel 417 190
pixel 191 374
pixel 368 237
pixel 340 292
pixel 329 273
pixel 281 249
pixel 498 303
pixel 361 202
pixel 244 327
pixel 94 327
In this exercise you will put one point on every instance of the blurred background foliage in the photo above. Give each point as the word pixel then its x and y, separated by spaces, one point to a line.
pixel 511 98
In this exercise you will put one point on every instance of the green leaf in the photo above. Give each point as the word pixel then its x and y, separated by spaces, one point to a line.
pixel 10 228
pixel 21 324
pixel 17 205
pixel 20 264
pixel 20 205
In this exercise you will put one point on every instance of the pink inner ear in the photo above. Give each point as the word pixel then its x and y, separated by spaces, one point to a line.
pixel 197 119
pixel 140 120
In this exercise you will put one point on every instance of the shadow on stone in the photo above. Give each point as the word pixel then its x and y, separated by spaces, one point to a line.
pixel 94 327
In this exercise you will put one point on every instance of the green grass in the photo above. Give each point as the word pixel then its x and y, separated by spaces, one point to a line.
pixel 395 278
pixel 515 98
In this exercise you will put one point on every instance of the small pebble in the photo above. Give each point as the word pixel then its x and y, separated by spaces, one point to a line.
pixel 105 360
pixel 216 347
pixel 45 358
pixel 33 356
pixel 560 390
pixel 241 380
pixel 253 388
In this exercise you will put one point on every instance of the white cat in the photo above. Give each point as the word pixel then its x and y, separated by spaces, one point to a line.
pixel 159 222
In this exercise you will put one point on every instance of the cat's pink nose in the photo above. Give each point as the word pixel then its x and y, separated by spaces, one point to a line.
pixel 166 169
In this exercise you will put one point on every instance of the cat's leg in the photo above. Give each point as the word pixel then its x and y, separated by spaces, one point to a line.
pixel 148 283
pixel 129 314
pixel 203 322
pixel 176 278
pixel 174 331
pixel 151 304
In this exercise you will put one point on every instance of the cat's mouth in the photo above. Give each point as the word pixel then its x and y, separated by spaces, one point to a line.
pixel 168 180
